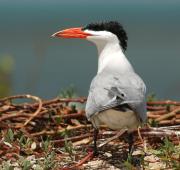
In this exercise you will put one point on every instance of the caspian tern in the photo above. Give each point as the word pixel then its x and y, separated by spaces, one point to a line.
pixel 117 93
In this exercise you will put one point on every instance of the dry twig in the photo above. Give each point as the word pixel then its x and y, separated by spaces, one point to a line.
pixel 43 119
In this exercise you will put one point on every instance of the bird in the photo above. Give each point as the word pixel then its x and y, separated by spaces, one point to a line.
pixel 117 94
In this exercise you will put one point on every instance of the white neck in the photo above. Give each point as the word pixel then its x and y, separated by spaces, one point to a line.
pixel 112 57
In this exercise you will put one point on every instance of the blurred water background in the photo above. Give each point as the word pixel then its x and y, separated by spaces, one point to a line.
pixel 33 62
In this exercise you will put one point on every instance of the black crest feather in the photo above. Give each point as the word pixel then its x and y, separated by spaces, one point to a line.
pixel 111 26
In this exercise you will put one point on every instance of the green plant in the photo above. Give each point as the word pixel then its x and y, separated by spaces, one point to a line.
pixel 135 161
pixel 74 108
pixel 69 92
pixel 128 163
pixel 68 147
pixel 6 166
pixel 169 154
pixel 27 144
pixel 49 161
pixel 38 167
pixel 151 97
pixel 26 164
pixel 9 136
pixel 58 119
pixel 46 144
pixel 153 123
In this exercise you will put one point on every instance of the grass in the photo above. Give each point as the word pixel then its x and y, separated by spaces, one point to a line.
pixel 167 153
pixel 40 154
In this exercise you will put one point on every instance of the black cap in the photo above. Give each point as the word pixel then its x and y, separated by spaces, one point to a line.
pixel 113 27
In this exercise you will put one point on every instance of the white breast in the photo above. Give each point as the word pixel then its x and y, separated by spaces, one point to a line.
pixel 116 119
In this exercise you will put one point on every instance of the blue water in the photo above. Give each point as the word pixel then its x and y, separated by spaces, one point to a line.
pixel 44 65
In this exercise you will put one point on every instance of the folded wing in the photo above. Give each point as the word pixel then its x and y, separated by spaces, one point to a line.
pixel 112 90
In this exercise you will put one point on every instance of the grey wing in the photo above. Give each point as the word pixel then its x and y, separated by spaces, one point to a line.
pixel 111 90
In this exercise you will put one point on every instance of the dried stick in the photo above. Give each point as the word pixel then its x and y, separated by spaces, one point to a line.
pixel 167 102
pixel 14 97
pixel 156 108
pixel 166 116
pixel 60 142
pixel 37 111
pixel 52 132
pixel 120 133
pixel 175 127
pixel 160 112
pixel 71 115
pixel 152 116
pixel 159 132
pixel 13 115
pixel 169 122
pixel 29 97
pixel 89 156
pixel 86 158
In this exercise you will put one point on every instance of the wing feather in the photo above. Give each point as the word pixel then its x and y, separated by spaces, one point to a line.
pixel 111 90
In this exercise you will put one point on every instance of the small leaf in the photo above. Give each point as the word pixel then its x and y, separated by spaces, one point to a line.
pixel 7 166
pixel 11 134
pixel 33 146
pixel 26 165
pixel 58 120
pixel 8 144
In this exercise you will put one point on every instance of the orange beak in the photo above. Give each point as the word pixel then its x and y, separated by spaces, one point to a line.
pixel 71 33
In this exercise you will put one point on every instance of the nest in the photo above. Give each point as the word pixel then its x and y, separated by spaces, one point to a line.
pixel 39 128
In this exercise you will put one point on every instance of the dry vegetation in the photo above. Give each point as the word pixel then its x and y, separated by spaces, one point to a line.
pixel 55 134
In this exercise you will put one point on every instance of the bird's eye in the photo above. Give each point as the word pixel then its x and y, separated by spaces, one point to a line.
pixel 122 95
